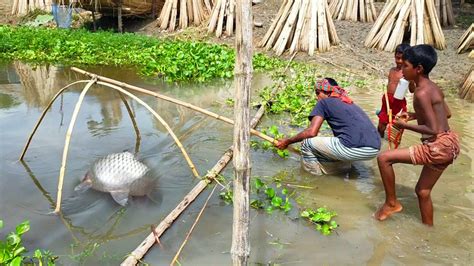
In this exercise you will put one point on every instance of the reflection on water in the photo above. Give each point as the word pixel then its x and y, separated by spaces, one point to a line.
pixel 94 230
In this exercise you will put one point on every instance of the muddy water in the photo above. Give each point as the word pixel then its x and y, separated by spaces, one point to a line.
pixel 94 230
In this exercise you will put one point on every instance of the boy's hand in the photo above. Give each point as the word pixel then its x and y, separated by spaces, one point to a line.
pixel 282 144
pixel 405 116
pixel 400 122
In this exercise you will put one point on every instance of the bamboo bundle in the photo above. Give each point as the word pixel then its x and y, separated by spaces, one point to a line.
pixel 223 12
pixel 355 10
pixel 467 40
pixel 397 16
pixel 444 8
pixel 22 7
pixel 183 12
pixel 301 25
pixel 467 87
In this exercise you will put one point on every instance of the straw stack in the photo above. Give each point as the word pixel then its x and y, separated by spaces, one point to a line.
pixel 22 7
pixel 301 25
pixel 355 10
pixel 444 8
pixel 222 18
pixel 467 87
pixel 467 40
pixel 183 13
pixel 398 18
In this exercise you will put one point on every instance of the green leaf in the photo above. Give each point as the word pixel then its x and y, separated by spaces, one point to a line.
pixel 284 191
pixel 277 201
pixel 23 227
pixel 1 224
pixel 270 192
pixel 13 239
pixel 38 254
pixel 304 214
pixel 18 251
pixel 16 261
pixel 259 183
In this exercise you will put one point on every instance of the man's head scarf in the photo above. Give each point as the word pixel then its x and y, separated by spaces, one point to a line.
pixel 333 91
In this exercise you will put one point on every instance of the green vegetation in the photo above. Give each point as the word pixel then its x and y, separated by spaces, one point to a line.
pixel 12 249
pixel 266 145
pixel 174 60
pixel 322 218
pixel 274 197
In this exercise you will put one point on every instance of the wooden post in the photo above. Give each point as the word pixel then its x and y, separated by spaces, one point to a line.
pixel 119 16
pixel 243 78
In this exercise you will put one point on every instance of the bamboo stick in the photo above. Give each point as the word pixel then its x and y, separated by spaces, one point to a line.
pixel 25 148
pixel 134 123
pixel 175 259
pixel 66 143
pixel 170 99
pixel 467 40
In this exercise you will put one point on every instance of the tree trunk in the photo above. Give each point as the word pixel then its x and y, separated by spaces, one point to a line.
pixel 243 77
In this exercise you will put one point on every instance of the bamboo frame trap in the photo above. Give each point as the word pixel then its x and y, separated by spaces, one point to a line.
pixel 419 16
pixel 118 86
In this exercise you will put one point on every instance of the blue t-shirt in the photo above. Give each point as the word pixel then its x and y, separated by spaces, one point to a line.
pixel 348 122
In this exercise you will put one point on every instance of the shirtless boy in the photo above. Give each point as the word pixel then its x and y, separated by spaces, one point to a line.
pixel 440 145
pixel 394 76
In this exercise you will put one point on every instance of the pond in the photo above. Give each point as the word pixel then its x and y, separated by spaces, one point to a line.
pixel 94 230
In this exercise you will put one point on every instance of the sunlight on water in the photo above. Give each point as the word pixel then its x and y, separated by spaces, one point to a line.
pixel 92 223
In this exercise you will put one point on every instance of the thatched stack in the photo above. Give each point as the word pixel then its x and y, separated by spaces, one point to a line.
pixel 397 16
pixel 22 7
pixel 183 12
pixel 129 7
pixel 301 25
pixel 222 18
pixel 467 87
pixel 355 10
pixel 444 8
pixel 467 40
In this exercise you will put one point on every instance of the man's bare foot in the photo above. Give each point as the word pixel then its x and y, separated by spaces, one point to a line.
pixel 386 210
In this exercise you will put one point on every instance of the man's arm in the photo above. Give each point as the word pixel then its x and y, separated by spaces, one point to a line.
pixel 446 108
pixel 311 131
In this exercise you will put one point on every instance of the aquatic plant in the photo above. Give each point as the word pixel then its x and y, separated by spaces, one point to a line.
pixel 322 218
pixel 174 60
pixel 12 250
pixel 266 145
pixel 275 199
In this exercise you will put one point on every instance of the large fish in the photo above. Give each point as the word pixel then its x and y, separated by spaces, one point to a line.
pixel 121 174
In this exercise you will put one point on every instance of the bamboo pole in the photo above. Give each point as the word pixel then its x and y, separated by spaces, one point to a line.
pixel 170 99
pixel 162 121
pixel 66 143
pixel 134 123
pixel 43 115
pixel 175 259
pixel 240 250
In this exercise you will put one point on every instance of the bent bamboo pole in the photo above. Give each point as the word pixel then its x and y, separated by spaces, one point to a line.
pixel 44 113
pixel 147 243
pixel 169 99
pixel 134 123
pixel 66 143
pixel 157 116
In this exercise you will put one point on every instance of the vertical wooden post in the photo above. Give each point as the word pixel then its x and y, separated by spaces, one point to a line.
pixel 243 77
pixel 119 16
